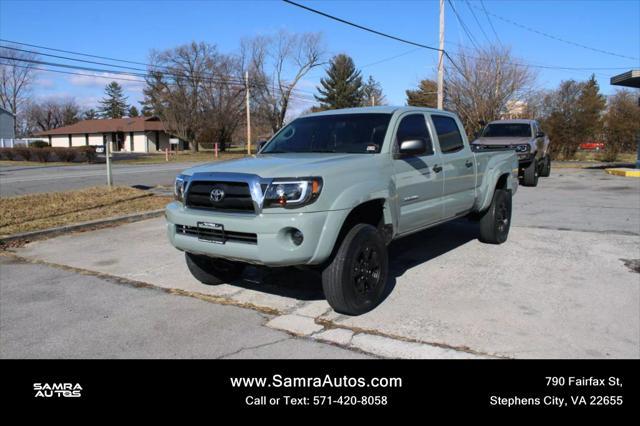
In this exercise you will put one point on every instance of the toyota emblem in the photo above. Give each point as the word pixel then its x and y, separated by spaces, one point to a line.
pixel 216 195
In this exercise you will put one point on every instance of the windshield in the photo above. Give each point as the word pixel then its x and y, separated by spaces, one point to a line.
pixel 343 133
pixel 514 130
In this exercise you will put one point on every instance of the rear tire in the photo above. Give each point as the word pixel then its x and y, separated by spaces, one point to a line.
pixel 546 167
pixel 213 271
pixel 355 280
pixel 531 174
pixel 496 221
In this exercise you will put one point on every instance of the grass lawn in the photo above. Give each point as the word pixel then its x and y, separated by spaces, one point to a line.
pixel 597 157
pixel 36 163
pixel 34 212
pixel 197 157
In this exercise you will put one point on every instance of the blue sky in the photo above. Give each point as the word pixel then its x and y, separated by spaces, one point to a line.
pixel 130 29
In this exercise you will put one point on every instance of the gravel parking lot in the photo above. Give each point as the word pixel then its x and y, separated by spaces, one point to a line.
pixel 563 286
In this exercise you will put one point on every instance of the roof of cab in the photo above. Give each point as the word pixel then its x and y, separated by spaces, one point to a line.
pixel 514 121
pixel 375 110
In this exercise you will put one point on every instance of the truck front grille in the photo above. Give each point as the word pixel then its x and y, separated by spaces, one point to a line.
pixel 217 235
pixel 237 197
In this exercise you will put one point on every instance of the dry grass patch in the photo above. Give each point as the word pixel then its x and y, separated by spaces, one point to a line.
pixel 41 211
pixel 187 157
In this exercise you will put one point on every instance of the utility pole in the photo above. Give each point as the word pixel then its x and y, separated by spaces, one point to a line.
pixel 441 59
pixel 373 100
pixel 246 79
pixel 107 150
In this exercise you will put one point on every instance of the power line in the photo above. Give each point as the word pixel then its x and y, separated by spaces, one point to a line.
pixel 111 77
pixel 484 9
pixel 172 72
pixel 390 58
pixel 477 21
pixel 463 25
pixel 551 36
pixel 344 21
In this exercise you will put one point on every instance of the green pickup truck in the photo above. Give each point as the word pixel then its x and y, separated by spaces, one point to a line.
pixel 331 190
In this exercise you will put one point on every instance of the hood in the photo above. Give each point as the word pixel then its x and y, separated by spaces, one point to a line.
pixel 288 165
pixel 502 141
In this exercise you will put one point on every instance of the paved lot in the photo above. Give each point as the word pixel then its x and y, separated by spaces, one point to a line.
pixel 52 313
pixel 17 180
pixel 560 287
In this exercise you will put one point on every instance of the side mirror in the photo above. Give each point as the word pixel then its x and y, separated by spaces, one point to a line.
pixel 540 135
pixel 261 144
pixel 413 147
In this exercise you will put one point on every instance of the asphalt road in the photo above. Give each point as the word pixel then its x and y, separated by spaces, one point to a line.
pixel 48 312
pixel 18 180
pixel 565 285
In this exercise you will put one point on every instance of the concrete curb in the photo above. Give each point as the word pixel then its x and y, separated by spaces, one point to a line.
pixel 626 172
pixel 34 235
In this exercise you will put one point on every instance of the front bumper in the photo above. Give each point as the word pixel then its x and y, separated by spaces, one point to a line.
pixel 274 246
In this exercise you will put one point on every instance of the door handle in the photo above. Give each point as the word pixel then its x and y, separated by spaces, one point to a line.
pixel 437 168
pixel 468 163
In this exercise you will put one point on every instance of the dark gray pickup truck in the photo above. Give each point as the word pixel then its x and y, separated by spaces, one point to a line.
pixel 526 139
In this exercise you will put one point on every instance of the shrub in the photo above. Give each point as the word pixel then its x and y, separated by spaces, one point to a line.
pixel 39 144
pixel 65 154
pixel 24 152
pixel 43 155
pixel 88 152
pixel 7 153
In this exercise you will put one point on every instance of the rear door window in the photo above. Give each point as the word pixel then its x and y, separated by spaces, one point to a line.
pixel 448 134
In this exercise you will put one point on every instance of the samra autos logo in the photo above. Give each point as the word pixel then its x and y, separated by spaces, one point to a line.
pixel 57 390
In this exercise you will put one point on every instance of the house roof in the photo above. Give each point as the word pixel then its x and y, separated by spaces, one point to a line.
pixel 137 124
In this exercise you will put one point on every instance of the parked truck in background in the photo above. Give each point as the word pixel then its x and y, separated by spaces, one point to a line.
pixel 524 137
pixel 331 190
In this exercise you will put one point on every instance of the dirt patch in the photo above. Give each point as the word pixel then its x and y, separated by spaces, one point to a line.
pixel 632 264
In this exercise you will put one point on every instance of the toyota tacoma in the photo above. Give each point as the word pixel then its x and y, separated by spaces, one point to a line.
pixel 523 136
pixel 331 190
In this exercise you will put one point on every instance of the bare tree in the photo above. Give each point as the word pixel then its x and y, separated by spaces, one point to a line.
pixel 276 64
pixel 16 77
pixel 480 85
pixel 191 88
pixel 52 113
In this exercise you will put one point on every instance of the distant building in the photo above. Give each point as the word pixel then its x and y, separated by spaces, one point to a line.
pixel 514 110
pixel 7 124
pixel 139 134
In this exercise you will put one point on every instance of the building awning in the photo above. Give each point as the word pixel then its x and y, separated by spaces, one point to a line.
pixel 627 79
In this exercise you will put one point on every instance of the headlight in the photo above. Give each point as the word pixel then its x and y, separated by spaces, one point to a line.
pixel 522 148
pixel 294 192
pixel 178 188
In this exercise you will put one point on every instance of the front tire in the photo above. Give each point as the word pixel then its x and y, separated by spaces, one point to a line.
pixel 531 174
pixel 546 167
pixel 496 221
pixel 355 280
pixel 213 271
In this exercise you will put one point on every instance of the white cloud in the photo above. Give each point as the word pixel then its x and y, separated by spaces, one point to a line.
pixel 129 83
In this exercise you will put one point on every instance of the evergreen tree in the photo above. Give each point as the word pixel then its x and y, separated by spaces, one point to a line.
pixel 114 104
pixel 133 111
pixel 342 88
pixel 90 114
pixel 425 95
pixel 590 106
pixel 372 93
